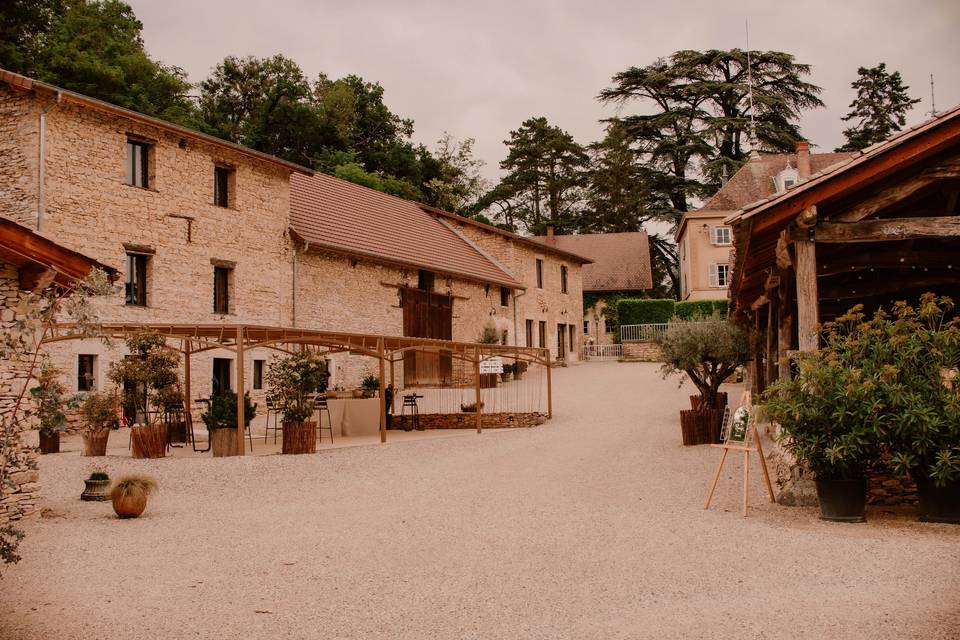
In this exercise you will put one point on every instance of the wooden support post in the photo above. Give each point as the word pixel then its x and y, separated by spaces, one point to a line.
pixel 746 481
pixel 763 463
pixel 187 395
pixel 785 332
pixel 383 396
pixel 716 477
pixel 808 306
pixel 241 418
pixel 549 388
pixel 393 396
pixel 771 346
pixel 479 405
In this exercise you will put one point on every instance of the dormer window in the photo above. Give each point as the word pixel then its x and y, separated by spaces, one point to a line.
pixel 788 177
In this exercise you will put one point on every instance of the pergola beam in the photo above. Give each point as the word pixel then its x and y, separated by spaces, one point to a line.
pixel 885 230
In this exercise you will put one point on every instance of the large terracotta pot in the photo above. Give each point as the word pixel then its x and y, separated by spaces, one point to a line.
pixel 50 443
pixel 299 437
pixel 223 443
pixel 127 506
pixel 95 442
pixel 149 440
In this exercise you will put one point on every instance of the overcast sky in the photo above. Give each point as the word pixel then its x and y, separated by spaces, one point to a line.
pixel 478 69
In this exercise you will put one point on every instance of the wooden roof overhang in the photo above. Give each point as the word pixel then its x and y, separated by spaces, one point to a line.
pixel 758 227
pixel 36 256
pixel 226 336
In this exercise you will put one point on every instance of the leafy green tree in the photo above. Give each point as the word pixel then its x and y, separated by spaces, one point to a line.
pixel 95 48
pixel 24 29
pixel 695 127
pixel 459 183
pixel 880 108
pixel 546 176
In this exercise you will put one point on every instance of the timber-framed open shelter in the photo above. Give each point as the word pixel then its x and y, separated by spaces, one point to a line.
pixel 880 227
pixel 193 339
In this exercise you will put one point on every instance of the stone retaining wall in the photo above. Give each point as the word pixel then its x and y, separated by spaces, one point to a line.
pixel 642 352
pixel 469 420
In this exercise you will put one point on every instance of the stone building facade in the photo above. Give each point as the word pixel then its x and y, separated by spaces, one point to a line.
pixel 71 171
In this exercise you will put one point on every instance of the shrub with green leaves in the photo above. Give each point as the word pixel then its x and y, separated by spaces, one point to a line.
pixel 294 381
pixel 50 397
pixel 222 413
pixel 147 374
pixel 706 351
pixel 99 412
pixel 643 311
pixel 693 309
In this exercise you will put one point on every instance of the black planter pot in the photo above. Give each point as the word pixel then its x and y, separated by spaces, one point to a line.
pixel 842 500
pixel 939 504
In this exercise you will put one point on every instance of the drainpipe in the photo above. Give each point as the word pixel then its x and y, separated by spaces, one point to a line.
pixel 42 164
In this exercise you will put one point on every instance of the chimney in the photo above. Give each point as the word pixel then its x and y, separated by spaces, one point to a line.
pixel 803 159
pixel 550 239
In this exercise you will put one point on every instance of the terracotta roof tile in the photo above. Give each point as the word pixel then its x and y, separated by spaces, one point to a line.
pixel 621 261
pixel 348 218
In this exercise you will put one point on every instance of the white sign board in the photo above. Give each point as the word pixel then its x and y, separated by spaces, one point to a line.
pixel 491 365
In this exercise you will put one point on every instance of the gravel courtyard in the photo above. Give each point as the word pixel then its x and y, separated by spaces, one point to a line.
pixel 590 526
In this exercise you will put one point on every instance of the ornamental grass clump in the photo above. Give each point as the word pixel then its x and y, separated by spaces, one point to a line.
pixel 135 486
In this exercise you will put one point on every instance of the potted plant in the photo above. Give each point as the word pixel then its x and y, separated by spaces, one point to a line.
pixel 51 401
pixel 831 415
pixel 293 382
pixel 221 420
pixel 169 400
pixel 370 385
pixel 99 411
pixel 145 376
pixel 707 352
pixel 97 485
pixel 129 495
pixel 470 407
pixel 507 372
pixel 920 349
pixel 519 368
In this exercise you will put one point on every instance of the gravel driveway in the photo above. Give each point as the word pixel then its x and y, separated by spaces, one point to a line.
pixel 590 526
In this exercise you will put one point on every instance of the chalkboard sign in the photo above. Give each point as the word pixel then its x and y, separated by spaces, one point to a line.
pixel 740 425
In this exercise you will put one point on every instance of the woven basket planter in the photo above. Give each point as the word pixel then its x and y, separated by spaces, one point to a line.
pixel 299 437
pixel 223 443
pixel 149 440
pixel 95 442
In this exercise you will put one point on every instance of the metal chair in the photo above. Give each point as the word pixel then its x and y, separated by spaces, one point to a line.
pixel 410 401
pixel 272 410
pixel 320 405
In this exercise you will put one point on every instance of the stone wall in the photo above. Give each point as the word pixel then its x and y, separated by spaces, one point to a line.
pixel 20 500
pixel 642 352
pixel 469 420
pixel 19 123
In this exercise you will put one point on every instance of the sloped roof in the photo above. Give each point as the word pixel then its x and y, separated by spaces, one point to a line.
pixel 621 261
pixel 354 220
pixel 755 179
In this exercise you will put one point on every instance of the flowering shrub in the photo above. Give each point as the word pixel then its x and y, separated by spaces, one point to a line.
pixel 294 381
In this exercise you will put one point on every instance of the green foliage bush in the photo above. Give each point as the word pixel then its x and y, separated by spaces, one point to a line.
pixel 294 381
pixel 222 413
pixel 100 412
pixel 641 311
pixel 690 309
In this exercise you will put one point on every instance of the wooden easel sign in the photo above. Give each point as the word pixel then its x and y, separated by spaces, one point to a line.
pixel 740 433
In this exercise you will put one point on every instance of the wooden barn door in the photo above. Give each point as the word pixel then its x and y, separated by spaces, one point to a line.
pixel 427 315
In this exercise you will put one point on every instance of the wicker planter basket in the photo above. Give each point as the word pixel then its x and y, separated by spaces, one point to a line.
pixel 299 437
pixel 700 427
pixel 149 440
pixel 95 442
pixel 223 442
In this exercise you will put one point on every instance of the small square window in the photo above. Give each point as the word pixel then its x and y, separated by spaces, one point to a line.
pixel 136 284
pixel 138 164
pixel 221 186
pixel 86 372
pixel 425 280
pixel 721 236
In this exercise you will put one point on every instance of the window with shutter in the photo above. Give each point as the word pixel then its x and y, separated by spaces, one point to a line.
pixel 713 276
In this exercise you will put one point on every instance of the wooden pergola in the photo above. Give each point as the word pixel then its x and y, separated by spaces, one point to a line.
pixel 190 339
pixel 881 227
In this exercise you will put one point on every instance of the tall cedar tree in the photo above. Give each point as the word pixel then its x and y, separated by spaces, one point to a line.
pixel 546 173
pixel 880 108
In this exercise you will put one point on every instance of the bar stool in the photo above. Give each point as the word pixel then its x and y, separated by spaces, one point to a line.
pixel 272 410
pixel 320 405
pixel 410 401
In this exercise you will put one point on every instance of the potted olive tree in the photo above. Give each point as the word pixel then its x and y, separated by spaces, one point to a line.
pixel 100 416
pixel 294 382
pixel 707 352
pixel 221 421
pixel 146 376
pixel 51 402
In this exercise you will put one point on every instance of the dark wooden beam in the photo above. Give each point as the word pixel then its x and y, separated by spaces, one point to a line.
pixel 899 258
pixel 845 288
pixel 884 230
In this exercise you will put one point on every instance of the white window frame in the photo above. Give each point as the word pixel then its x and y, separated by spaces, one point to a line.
pixel 715 275
pixel 715 235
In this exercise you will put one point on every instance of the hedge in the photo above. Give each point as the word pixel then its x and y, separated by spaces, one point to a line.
pixel 643 311
pixel 688 309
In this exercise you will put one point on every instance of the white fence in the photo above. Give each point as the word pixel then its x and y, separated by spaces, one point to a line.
pixel 602 351
pixel 642 332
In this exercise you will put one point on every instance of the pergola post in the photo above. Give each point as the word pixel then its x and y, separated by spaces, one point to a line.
pixel 241 417
pixel 549 388
pixel 393 396
pixel 187 395
pixel 383 396
pixel 479 405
